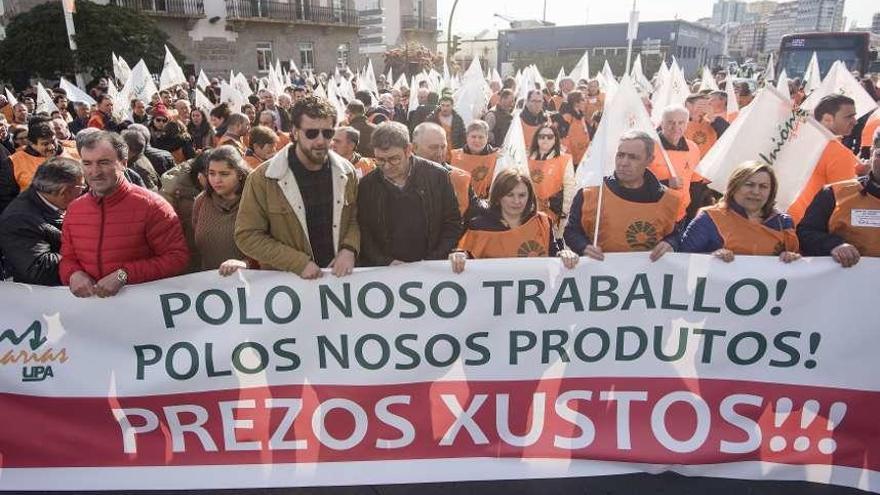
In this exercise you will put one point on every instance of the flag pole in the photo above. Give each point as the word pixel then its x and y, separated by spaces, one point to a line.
pixel 68 6
pixel 598 212
pixel 631 34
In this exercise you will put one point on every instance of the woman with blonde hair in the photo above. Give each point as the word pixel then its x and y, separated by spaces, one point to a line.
pixel 745 221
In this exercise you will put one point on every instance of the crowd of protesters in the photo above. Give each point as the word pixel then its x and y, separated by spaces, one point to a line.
pixel 284 182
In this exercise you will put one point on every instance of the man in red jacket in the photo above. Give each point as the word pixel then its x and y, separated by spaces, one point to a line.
pixel 118 233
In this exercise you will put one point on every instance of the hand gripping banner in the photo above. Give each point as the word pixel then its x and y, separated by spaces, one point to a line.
pixel 514 369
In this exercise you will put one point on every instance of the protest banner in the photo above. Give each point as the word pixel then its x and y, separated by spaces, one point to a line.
pixel 514 369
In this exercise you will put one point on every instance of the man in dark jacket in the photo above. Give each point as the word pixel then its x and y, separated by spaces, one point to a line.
pixel 355 114
pixel 407 209
pixel 427 103
pixel 30 228
pixel 446 117
pixel 161 160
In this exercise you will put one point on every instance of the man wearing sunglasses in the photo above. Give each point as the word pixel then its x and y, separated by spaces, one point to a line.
pixel 30 228
pixel 298 211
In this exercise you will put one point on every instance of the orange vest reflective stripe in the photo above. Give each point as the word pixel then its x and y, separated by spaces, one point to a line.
pixel 749 238
pixel 870 128
pixel 461 182
pixel 684 163
pixel 703 134
pixel 528 133
pixel 626 226
pixel 481 168
pixel 364 166
pixel 855 217
pixel 836 164
pixel 547 177
pixel 578 139
pixel 528 240
pixel 24 165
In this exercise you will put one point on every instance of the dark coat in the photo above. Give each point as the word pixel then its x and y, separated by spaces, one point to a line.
pixel 459 134
pixel 30 239
pixel 441 215
pixel 8 186
pixel 365 144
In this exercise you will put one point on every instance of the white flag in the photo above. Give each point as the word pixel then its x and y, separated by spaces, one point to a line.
pixel 610 82
pixel 732 102
pixel 10 97
pixel 44 102
pixel 240 83
pixel 389 78
pixel 76 94
pixel 231 96
pixel 414 93
pixel 172 74
pixel 121 70
pixel 333 97
pixel 203 81
pixel 582 69
pixel 472 97
pixel 782 85
pixel 121 102
pixel 769 130
pixel 295 70
pixel 813 75
pixel 770 71
pixel 623 113
pixel 140 85
pixel 841 81
pixel 202 102
pixel 672 91
pixel 513 153
pixel 708 81
pixel 496 76
pixel 401 82
pixel 560 77
pixel 642 83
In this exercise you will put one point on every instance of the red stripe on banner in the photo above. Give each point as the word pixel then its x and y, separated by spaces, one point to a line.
pixel 643 420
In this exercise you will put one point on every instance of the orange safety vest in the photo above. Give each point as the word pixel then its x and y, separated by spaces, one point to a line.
pixel 24 166
pixel 703 134
pixel 593 104
pixel 481 168
pixel 626 226
pixel 557 101
pixel 530 239
pixel 749 238
pixel 856 217
pixel 528 133
pixel 448 130
pixel 547 177
pixel 283 140
pixel 364 166
pixel 461 182
pixel 870 128
pixel 252 161
pixel 70 149
pixel 836 164
pixel 235 143
pixel 684 163
pixel 578 139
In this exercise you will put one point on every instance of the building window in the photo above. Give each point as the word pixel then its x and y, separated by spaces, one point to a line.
pixel 307 56
pixel 264 56
pixel 342 54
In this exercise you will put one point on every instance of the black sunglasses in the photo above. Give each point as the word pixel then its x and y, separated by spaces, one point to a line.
pixel 313 133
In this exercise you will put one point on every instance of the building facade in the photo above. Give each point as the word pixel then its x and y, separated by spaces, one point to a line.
pixel 246 35
pixel 803 16
pixel 747 40
pixel 389 23
pixel 875 23
pixel 728 11
pixel 692 44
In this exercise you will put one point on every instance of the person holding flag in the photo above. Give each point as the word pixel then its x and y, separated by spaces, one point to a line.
pixel 630 210
pixel 745 221
pixel 573 125
pixel 552 173
pixel 701 128
pixel 511 227
pixel 684 155
pixel 841 221
pixel 837 113
pixel 477 157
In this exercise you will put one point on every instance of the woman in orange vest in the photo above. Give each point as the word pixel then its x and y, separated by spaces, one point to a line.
pixel 745 221
pixel 512 226
pixel 552 174
pixel 477 158
pixel 573 126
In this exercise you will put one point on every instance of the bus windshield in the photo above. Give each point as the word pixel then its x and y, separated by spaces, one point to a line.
pixel 796 51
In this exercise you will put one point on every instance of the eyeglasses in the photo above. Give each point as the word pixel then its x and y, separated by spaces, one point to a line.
pixel 546 136
pixel 313 133
pixel 391 160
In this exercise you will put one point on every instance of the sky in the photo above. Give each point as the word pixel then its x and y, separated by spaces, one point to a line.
pixel 472 16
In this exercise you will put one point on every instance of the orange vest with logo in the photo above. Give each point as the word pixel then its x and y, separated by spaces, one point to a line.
pixel 364 166
pixel 684 163
pixel 528 240
pixel 461 182
pixel 528 133
pixel 24 166
pixel 481 168
pixel 578 139
pixel 547 177
pixel 703 134
pixel 856 217
pixel 626 226
pixel 836 164
pixel 749 238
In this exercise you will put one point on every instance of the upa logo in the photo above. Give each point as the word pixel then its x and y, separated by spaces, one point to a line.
pixel 28 349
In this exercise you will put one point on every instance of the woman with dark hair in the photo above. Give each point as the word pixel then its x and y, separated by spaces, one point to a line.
pixel 215 209
pixel 511 227
pixel 170 135
pixel 200 130
pixel 573 126
pixel 745 221
pixel 218 119
pixel 552 173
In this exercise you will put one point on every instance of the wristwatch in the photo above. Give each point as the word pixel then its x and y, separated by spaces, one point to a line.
pixel 122 276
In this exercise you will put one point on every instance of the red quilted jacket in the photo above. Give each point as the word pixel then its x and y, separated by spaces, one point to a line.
pixel 132 228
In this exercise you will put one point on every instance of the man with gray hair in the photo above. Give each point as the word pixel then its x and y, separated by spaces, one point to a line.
pixel 137 162
pixel 345 142
pixel 161 160
pixel 684 155
pixel 117 233
pixel 430 142
pixel 407 208
pixel 635 213
pixel 30 228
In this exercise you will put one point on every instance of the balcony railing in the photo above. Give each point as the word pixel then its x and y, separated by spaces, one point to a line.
pixel 165 8
pixel 418 22
pixel 295 11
